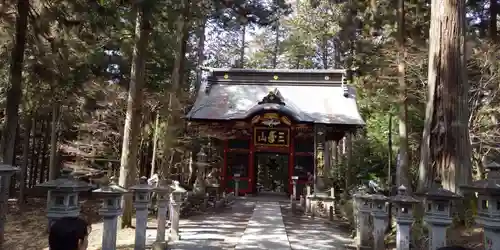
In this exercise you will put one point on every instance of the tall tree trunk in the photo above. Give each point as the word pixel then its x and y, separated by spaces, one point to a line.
pixel 243 46
pixel 33 155
pixel 44 170
pixel 14 93
pixel 176 93
pixel 182 28
pixel 131 130
pixel 402 170
pixel 167 149
pixel 465 147
pixel 444 128
pixel 26 151
pixel 53 167
pixel 348 160
pixel 155 144
pixel 493 20
pixel 337 52
pixel 201 55
pixel 324 52
pixel 390 178
pixel 276 45
pixel 14 97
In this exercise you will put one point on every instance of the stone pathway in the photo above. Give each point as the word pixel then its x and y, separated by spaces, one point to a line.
pixel 253 224
pixel 265 230
pixel 219 231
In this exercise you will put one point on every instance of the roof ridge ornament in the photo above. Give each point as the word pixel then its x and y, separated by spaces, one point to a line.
pixel 273 97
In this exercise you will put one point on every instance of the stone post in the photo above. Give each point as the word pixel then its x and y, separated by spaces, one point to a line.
pixel 380 217
pixel 404 217
pixel 217 192
pixel 362 209
pixel 142 197
pixel 205 201
pixel 331 211
pixel 236 184
pixel 176 200
pixel 294 183
pixel 302 201
pixel 224 197
pixel 488 206
pixel 6 172
pixel 201 163
pixel 308 200
pixel 63 198
pixel 293 196
pixel 111 195
pixel 221 201
pixel 438 214
pixel 162 196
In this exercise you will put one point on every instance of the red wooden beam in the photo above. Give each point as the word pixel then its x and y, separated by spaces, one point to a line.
pixel 251 165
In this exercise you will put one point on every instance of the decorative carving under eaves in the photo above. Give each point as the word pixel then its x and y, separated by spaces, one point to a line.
pixel 274 97
pixel 303 128
pixel 304 134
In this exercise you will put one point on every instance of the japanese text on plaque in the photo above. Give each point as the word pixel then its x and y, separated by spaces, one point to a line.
pixel 271 137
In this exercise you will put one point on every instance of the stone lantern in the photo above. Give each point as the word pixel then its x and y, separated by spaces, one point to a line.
pixel 404 217
pixel 176 200
pixel 63 198
pixel 201 163
pixel 111 195
pixel 6 171
pixel 438 213
pixel 362 211
pixel 162 195
pixel 380 219
pixel 142 198
pixel 488 205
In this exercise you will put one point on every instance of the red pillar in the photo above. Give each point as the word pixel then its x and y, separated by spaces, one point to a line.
pixel 291 160
pixel 224 168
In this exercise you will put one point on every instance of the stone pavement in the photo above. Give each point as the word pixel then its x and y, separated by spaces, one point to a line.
pixel 253 224
pixel 265 230
pixel 216 231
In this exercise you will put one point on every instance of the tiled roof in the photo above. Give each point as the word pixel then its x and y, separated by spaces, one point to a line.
pixel 305 98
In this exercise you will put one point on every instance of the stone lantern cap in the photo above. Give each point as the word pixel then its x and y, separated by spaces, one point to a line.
pixel 143 186
pixel 111 188
pixel 403 197
pixel 177 189
pixel 491 185
pixel 7 169
pixel 163 187
pixel 213 185
pixel 439 193
pixel 201 159
pixel 378 197
pixel 66 183
pixel 362 194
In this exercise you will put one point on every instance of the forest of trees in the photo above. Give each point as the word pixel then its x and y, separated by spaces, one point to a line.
pixel 105 83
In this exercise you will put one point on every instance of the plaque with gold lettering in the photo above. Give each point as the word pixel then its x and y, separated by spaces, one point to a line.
pixel 271 137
